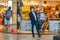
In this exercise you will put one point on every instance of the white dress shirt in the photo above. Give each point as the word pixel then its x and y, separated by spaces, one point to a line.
pixel 34 15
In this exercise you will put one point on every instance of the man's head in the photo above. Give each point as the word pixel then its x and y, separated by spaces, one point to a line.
pixel 9 8
pixel 32 9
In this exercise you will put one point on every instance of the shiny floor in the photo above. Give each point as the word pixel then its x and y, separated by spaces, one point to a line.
pixel 5 36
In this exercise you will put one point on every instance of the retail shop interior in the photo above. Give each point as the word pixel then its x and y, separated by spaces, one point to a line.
pixel 51 9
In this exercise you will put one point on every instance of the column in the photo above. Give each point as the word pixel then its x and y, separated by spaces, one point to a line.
pixel 14 8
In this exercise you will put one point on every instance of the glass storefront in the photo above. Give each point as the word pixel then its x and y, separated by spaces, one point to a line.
pixel 51 9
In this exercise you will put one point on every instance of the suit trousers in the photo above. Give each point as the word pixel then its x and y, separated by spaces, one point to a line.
pixel 37 28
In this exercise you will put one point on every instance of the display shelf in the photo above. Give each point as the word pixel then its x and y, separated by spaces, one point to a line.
pixel 54 24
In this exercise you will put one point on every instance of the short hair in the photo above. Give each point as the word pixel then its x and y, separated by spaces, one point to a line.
pixel 31 8
pixel 9 8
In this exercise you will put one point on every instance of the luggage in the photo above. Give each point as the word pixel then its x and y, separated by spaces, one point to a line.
pixel 56 37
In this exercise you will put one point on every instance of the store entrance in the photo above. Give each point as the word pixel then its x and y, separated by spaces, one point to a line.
pixel 50 12
pixel 23 10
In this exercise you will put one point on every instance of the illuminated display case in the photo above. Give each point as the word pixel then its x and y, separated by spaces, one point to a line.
pixel 25 12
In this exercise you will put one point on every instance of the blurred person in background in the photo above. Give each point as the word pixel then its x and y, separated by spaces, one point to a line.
pixel 18 15
pixel 34 21
pixel 8 18
pixel 19 11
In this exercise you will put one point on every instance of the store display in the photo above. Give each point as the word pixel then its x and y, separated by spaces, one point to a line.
pixel 54 24
pixel 26 25
pixel 25 12
pixel 25 8
pixel 49 9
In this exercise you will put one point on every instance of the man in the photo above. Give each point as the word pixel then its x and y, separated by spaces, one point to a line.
pixel 34 21
pixel 8 19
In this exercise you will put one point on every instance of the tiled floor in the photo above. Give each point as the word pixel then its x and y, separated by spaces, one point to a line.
pixel 24 37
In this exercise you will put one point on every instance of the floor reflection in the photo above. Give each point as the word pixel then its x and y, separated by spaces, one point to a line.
pixel 24 37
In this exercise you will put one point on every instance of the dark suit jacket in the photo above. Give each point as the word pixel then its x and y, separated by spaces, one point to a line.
pixel 32 17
